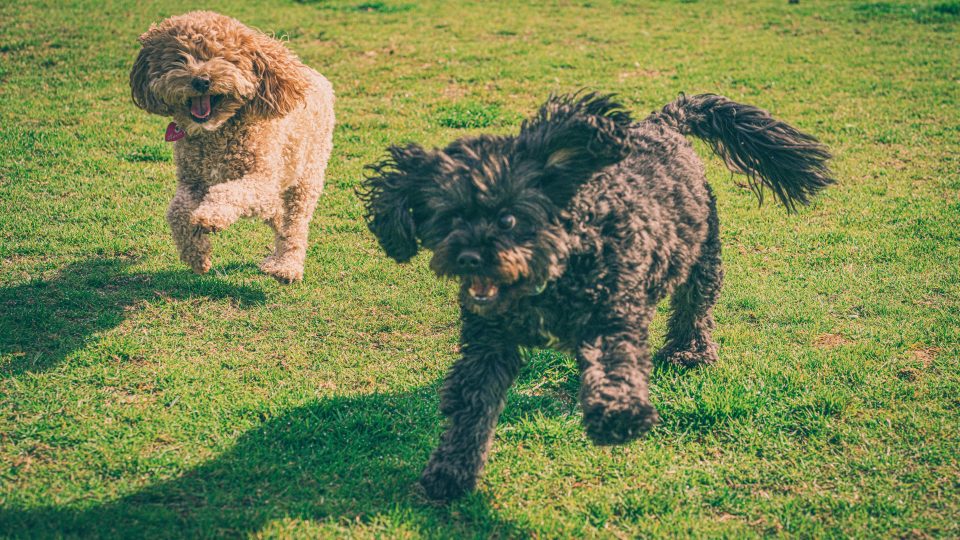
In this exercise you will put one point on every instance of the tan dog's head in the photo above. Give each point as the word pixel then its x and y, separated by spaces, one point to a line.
pixel 203 68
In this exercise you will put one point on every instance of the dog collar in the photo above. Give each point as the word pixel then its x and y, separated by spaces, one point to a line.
pixel 174 133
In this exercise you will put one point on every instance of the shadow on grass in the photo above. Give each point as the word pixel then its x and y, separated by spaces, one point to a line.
pixel 342 460
pixel 338 461
pixel 44 321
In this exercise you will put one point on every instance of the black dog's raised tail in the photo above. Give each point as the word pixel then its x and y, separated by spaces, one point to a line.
pixel 771 153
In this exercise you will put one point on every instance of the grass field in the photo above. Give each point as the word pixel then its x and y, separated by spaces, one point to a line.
pixel 140 400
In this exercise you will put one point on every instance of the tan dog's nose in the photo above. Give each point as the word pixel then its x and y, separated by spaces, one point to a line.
pixel 200 84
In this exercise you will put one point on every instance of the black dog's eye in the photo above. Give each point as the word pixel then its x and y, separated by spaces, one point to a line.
pixel 507 222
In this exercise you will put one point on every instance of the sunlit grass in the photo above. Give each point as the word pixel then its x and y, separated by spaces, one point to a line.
pixel 139 400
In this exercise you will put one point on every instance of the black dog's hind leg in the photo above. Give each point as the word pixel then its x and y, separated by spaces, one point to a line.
pixel 614 373
pixel 689 341
pixel 472 398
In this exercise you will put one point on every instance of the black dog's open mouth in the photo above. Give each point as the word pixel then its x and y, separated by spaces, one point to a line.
pixel 483 290
pixel 482 293
pixel 201 107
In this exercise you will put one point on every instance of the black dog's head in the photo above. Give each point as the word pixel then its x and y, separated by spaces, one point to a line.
pixel 490 207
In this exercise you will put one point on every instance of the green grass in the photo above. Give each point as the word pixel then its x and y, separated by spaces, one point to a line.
pixel 935 13
pixel 473 115
pixel 139 400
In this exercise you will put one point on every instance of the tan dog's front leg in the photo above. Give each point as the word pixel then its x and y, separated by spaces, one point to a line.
pixel 193 244
pixel 225 203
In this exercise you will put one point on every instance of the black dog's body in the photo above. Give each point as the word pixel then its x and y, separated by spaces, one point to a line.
pixel 632 236
pixel 568 236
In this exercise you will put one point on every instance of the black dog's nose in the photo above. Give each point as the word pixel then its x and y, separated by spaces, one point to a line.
pixel 200 84
pixel 469 260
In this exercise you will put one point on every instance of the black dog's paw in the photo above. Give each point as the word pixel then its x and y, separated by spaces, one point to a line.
pixel 698 353
pixel 441 482
pixel 618 424
pixel 690 359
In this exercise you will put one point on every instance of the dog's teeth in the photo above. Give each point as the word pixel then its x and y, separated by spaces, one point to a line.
pixel 482 289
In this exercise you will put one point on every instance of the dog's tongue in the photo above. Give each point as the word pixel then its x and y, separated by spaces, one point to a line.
pixel 200 106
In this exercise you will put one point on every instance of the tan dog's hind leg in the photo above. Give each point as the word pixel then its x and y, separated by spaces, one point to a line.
pixel 291 228
pixel 192 243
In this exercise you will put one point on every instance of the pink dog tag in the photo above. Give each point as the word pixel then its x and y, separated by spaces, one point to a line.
pixel 174 133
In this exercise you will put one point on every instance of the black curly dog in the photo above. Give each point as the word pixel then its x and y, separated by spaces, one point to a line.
pixel 567 235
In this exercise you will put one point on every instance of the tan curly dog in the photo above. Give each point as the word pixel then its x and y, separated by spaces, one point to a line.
pixel 253 129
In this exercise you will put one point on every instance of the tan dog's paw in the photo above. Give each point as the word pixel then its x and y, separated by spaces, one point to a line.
pixel 201 267
pixel 209 219
pixel 199 263
pixel 284 272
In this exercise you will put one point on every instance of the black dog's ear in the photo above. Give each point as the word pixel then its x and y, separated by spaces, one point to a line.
pixel 572 137
pixel 392 196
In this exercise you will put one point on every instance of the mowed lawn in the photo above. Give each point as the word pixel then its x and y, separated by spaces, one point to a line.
pixel 139 400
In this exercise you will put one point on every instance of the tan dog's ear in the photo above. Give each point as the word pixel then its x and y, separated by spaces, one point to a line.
pixel 140 79
pixel 283 82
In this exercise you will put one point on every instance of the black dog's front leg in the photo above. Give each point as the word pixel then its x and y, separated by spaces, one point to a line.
pixel 614 392
pixel 472 397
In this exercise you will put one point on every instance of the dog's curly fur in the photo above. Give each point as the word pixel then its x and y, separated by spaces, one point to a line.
pixel 259 132
pixel 568 235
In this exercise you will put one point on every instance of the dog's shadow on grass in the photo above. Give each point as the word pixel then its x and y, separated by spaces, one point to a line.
pixel 338 462
pixel 43 321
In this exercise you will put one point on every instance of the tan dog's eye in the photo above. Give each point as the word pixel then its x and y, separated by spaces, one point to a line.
pixel 507 222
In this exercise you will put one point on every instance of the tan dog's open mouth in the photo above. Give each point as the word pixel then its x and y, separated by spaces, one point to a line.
pixel 201 107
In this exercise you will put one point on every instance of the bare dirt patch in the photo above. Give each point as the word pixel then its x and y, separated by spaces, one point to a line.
pixel 830 341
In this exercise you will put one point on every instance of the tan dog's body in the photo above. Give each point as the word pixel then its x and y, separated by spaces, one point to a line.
pixel 260 144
